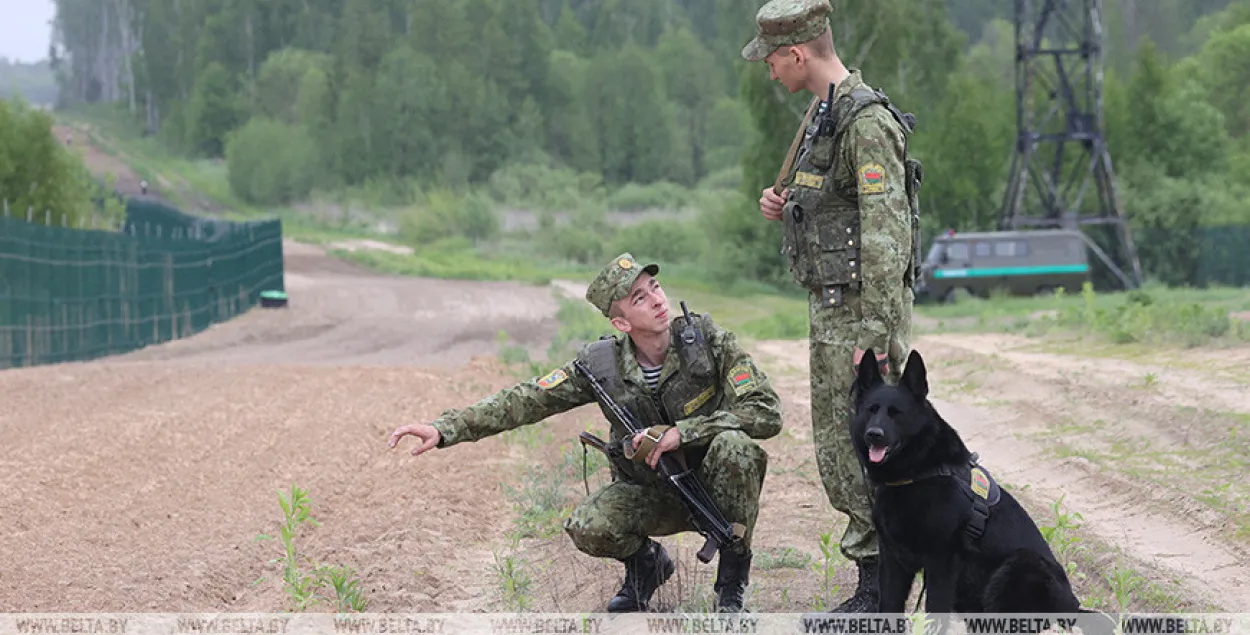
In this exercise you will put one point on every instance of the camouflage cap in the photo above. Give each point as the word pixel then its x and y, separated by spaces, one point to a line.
pixel 615 281
pixel 784 23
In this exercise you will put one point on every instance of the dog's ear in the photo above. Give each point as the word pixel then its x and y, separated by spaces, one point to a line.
pixel 914 377
pixel 869 372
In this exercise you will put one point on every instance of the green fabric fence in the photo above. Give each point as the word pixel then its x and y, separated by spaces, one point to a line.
pixel 76 294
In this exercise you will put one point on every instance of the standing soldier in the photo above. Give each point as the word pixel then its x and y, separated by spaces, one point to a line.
pixel 847 197
pixel 702 396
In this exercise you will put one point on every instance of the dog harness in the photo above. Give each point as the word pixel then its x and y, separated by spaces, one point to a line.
pixel 980 488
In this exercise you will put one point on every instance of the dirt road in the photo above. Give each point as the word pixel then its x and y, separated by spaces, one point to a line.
pixel 142 483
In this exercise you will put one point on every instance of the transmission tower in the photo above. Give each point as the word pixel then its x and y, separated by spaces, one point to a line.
pixel 1060 153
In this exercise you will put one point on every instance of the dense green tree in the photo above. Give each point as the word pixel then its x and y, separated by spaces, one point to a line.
pixel 37 172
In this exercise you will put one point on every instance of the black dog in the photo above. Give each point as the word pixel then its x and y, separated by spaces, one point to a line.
pixel 935 509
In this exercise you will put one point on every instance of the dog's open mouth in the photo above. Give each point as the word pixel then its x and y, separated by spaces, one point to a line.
pixel 876 453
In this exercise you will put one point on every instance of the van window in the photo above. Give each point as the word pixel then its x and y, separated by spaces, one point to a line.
pixel 982 249
pixel 1010 249
pixel 957 251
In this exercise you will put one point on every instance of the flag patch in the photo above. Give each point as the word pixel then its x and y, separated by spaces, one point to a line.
pixel 552 379
pixel 980 483
pixel 742 378
pixel 871 178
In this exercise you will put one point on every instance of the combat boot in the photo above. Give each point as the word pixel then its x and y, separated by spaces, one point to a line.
pixel 645 571
pixel 733 573
pixel 867 595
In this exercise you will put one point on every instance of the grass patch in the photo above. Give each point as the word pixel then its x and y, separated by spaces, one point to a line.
pixel 452 259
pixel 1152 315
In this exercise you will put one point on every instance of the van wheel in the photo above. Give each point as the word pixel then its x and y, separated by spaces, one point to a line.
pixel 1045 290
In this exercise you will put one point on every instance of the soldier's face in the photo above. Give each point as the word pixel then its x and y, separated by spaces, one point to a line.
pixel 785 66
pixel 645 309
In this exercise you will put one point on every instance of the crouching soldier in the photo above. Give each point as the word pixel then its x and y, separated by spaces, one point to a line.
pixel 700 397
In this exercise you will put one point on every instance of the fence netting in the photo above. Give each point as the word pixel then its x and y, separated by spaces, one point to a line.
pixel 76 294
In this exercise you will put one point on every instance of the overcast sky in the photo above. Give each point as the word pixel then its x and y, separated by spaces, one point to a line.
pixel 25 29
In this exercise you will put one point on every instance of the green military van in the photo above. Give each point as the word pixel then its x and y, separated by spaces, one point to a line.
pixel 1018 262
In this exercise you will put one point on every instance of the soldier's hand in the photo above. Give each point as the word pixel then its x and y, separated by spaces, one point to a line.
pixel 882 361
pixel 428 434
pixel 668 441
pixel 772 202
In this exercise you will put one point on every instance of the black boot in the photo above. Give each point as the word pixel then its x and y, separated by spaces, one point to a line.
pixel 645 571
pixel 867 595
pixel 733 573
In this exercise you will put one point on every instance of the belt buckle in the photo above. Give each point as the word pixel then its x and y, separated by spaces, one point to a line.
pixel 648 434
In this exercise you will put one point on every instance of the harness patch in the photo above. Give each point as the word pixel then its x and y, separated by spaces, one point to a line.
pixel 871 178
pixel 742 378
pixel 552 379
pixel 694 404
pixel 809 179
pixel 980 483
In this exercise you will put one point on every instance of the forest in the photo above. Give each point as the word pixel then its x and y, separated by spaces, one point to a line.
pixel 462 109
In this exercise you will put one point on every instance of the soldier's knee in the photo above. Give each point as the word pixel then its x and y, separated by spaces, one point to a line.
pixel 735 441
pixel 592 535
pixel 739 449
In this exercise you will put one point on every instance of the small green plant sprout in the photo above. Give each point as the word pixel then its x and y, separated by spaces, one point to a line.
pixel 302 587
pixel 831 557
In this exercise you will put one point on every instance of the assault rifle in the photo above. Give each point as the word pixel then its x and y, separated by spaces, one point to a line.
pixel 706 516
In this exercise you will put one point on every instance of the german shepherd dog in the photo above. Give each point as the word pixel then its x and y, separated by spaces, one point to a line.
pixel 936 509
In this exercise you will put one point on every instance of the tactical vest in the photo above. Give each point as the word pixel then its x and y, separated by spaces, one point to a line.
pixel 694 390
pixel 822 219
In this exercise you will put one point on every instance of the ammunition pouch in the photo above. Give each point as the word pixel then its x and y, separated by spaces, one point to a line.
pixel 822 232
pixel 915 176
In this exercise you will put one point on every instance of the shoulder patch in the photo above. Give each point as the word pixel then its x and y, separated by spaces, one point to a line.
pixel 980 483
pixel 552 379
pixel 742 377
pixel 871 178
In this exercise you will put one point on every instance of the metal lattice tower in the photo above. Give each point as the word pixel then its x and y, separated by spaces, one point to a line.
pixel 1060 153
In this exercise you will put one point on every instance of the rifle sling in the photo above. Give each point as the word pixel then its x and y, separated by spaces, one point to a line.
pixel 792 153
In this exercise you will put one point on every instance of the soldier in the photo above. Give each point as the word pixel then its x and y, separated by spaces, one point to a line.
pixel 846 195
pixel 712 399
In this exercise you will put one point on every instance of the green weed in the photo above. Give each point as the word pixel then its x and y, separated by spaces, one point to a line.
pixel 783 558
pixel 513 578
pixel 826 567
pixel 303 587
pixel 1061 538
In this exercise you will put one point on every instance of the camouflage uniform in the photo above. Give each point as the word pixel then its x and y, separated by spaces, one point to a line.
pixel 719 402
pixel 850 238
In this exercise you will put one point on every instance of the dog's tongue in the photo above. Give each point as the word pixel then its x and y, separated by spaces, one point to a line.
pixel 876 454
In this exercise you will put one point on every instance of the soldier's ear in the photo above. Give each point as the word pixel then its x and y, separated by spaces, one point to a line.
pixel 621 324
